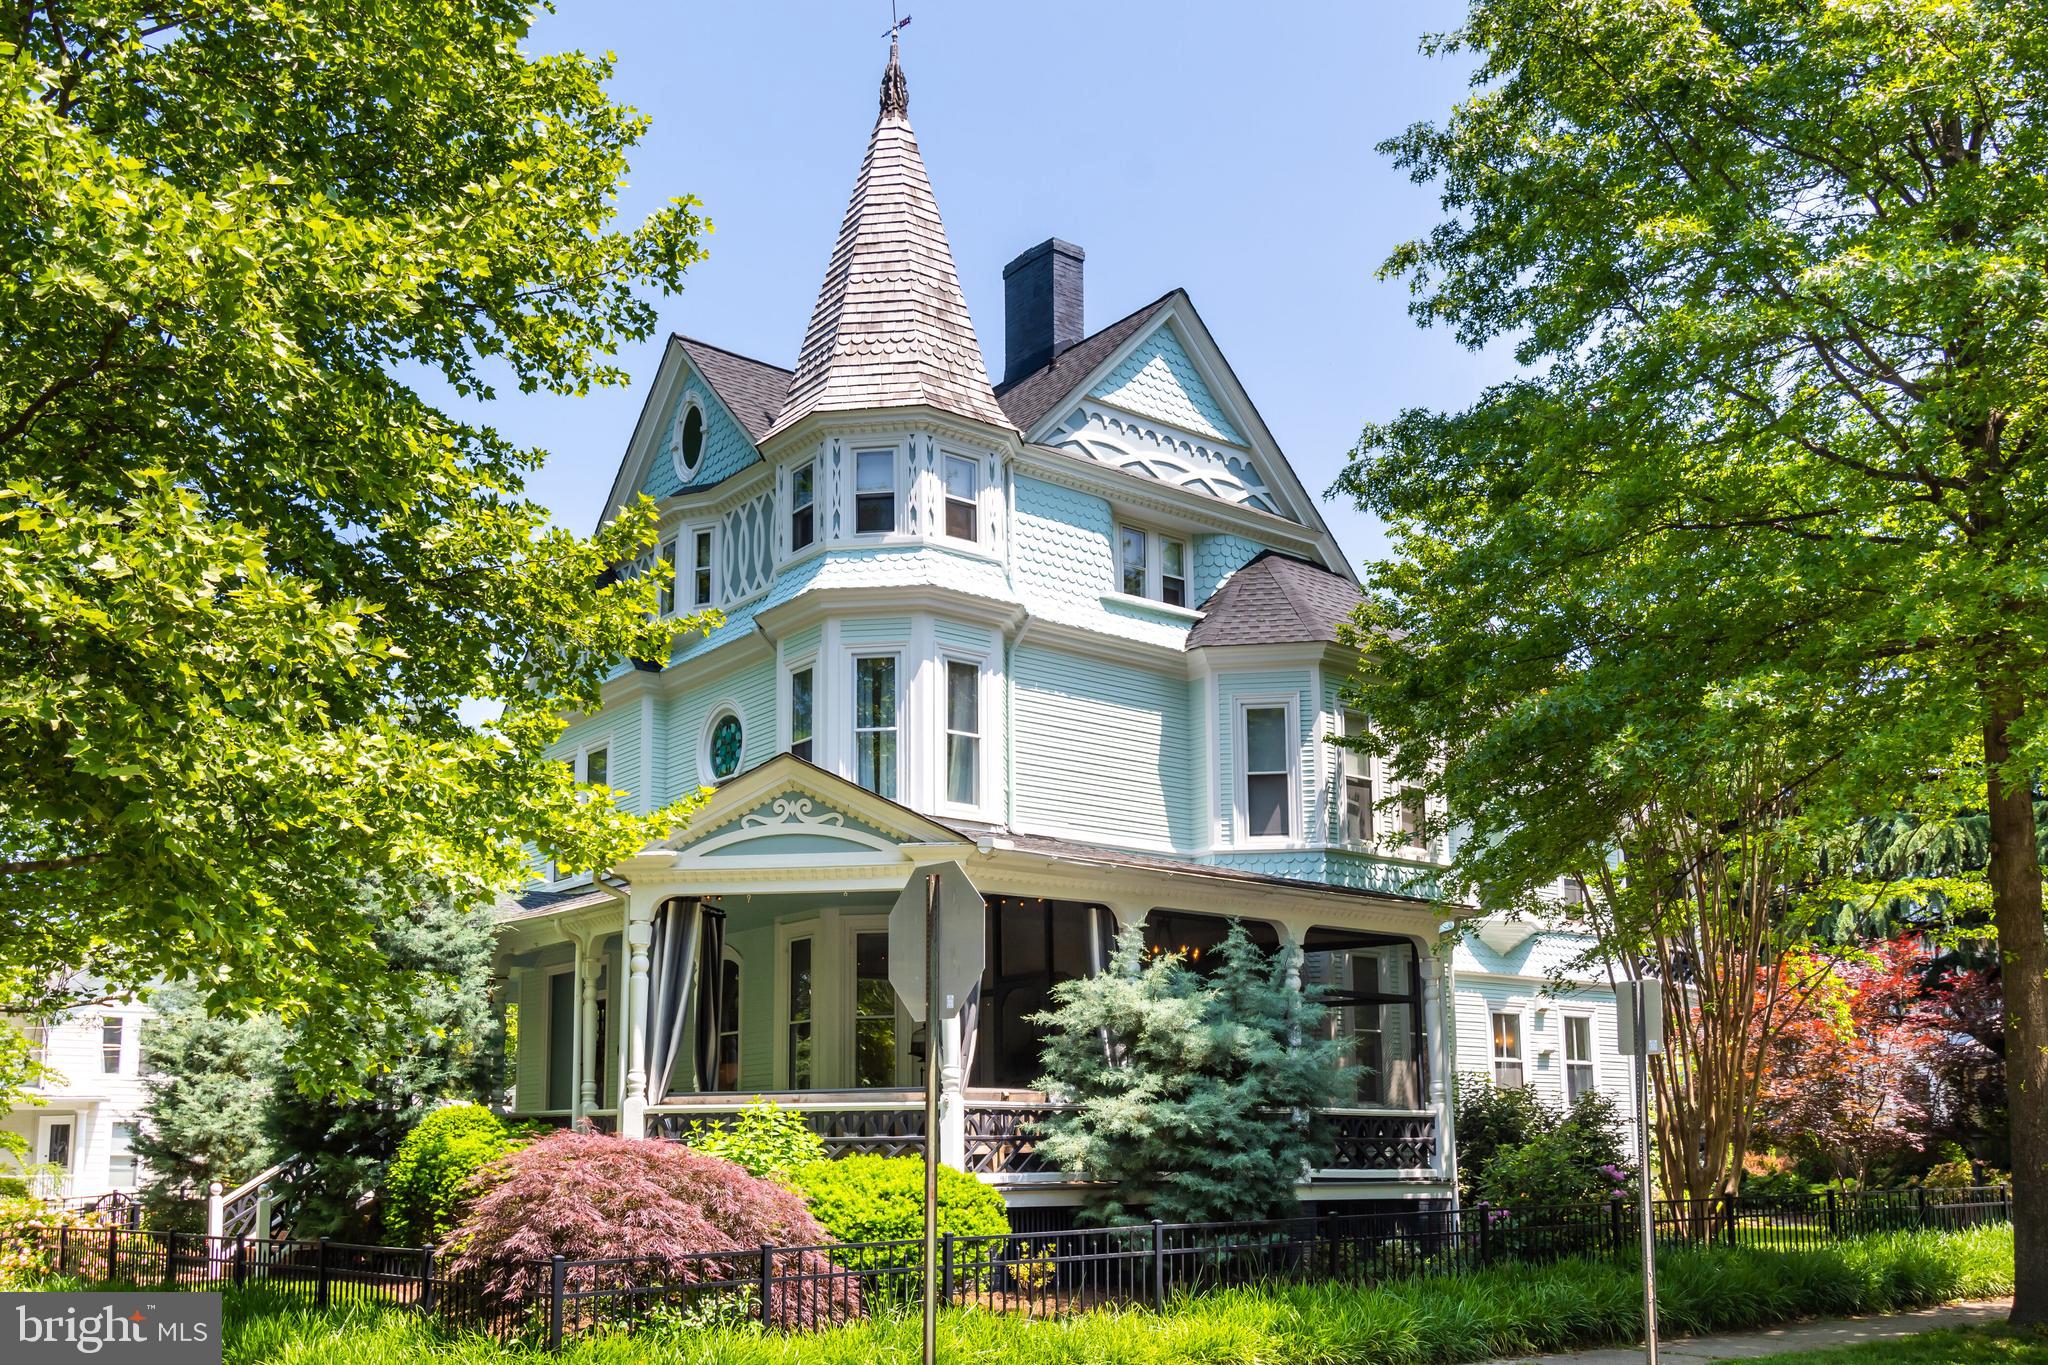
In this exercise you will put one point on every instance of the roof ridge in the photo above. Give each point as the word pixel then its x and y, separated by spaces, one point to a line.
pixel 689 340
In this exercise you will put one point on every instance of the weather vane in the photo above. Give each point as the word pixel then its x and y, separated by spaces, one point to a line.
pixel 895 25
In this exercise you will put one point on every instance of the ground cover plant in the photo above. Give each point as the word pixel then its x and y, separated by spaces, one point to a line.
pixel 1509 1311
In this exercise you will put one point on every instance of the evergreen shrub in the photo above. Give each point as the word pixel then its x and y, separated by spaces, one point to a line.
pixel 433 1171
pixel 764 1138
pixel 881 1199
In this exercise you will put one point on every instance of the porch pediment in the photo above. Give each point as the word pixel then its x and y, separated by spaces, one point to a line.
pixel 789 813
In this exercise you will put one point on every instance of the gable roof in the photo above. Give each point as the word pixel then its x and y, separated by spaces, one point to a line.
pixel 891 327
pixel 1029 398
pixel 1276 599
pixel 752 390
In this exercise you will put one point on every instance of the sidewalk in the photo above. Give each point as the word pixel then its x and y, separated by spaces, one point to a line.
pixel 1797 1336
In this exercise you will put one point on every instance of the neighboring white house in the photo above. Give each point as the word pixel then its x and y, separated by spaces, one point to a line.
pixel 82 1119
pixel 1526 1016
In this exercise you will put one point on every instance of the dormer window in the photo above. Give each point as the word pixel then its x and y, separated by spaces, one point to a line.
pixel 874 492
pixel 802 514
pixel 1152 565
pixel 963 484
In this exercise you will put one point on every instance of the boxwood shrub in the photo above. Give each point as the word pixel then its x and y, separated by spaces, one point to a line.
pixel 431 1174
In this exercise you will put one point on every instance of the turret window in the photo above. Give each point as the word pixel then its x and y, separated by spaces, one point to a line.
pixel 802 513
pixel 874 492
pixel 963 484
pixel 702 583
pixel 963 733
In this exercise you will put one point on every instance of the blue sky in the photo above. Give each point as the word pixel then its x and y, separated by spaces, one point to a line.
pixel 1225 148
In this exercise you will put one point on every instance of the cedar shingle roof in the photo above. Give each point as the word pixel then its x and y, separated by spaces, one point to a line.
pixel 1276 599
pixel 891 327
pixel 1031 397
pixel 753 390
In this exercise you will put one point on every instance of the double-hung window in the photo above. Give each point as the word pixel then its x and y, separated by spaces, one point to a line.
pixel 1357 794
pixel 874 723
pixel 1268 772
pixel 1414 815
pixel 121 1157
pixel 597 767
pixel 110 1045
pixel 801 723
pixel 963 485
pixel 963 733
pixel 668 582
pixel 701 580
pixel 874 491
pixel 1152 565
pixel 1507 1050
pixel 803 525
pixel 1579 1075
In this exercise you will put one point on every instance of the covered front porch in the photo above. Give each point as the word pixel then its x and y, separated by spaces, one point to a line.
pixel 751 958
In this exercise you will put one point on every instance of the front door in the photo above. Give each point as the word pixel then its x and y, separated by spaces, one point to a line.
pixel 54 1148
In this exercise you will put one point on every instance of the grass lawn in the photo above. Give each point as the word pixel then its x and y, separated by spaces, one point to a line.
pixel 1959 1346
pixel 1510 1311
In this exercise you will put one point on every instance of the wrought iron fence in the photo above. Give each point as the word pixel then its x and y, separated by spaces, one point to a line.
pixel 798 1288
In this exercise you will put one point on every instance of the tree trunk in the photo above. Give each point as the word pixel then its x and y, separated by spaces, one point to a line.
pixel 2015 875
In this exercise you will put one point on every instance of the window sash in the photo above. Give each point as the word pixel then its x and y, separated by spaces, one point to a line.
pixel 1507 1050
pixel 963 732
pixel 1173 578
pixel 1268 795
pixel 667 592
pixel 110 1045
pixel 1413 815
pixel 1131 555
pixel 701 569
pixel 963 480
pixel 802 494
pixel 875 723
pixel 726 1074
pixel 800 1069
pixel 801 716
pixel 121 1157
pixel 1579 1074
pixel 874 1013
pixel 597 767
pixel 1357 810
pixel 874 492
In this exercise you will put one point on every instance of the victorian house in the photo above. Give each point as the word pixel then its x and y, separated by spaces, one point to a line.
pixel 1075 632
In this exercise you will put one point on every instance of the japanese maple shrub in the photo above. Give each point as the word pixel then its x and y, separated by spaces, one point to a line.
pixel 663 1213
pixel 1188 1088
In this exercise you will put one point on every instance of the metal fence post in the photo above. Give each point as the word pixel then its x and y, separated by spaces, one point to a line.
pixel 1834 1217
pixel 241 1261
pixel 63 1240
pixel 2005 1203
pixel 558 1284
pixel 1485 1222
pixel 170 1259
pixel 1158 1266
pixel 427 1278
pixel 1614 1226
pixel 767 1281
pixel 113 1252
pixel 1920 1203
pixel 320 1272
pixel 946 1272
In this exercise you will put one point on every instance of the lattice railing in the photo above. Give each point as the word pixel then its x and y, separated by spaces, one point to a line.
pixel 1364 1140
pixel 1002 1138
pixel 884 1129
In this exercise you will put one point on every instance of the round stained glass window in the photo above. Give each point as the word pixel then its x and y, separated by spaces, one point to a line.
pixel 725 747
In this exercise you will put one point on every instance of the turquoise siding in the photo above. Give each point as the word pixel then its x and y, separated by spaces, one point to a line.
pixel 859 632
pixel 1269 682
pixel 1360 872
pixel 1064 561
pixel 1157 380
pixel 619 732
pixel 726 448
pixel 958 635
pixel 802 642
pixel 750 691
pixel 1218 557
pixel 1102 750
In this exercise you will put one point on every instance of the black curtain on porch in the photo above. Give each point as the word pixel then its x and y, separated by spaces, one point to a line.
pixel 672 967
pixel 710 1001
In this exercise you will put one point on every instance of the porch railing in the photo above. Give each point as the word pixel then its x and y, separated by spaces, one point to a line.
pixel 864 1122
pixel 1002 1139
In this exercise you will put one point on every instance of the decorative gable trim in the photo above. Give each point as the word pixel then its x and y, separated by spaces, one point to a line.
pixel 674 379
pixel 1261 459
pixel 797 815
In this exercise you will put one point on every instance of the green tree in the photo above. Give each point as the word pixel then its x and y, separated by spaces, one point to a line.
pixel 248 574
pixel 1189 1089
pixel 1777 273
pixel 208 1080
pixel 427 1037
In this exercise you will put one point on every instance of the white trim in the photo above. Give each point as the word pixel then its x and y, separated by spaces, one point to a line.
pixel 899 480
pixel 1289 704
pixel 1565 1016
pixel 691 401
pixel 718 712
pixel 785 703
pixel 942 727
pixel 1520 1014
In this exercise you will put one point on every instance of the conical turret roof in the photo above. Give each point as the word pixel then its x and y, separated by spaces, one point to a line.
pixel 891 327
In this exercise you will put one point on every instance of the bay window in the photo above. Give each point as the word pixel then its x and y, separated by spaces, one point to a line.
pixel 963 733
pixel 800 712
pixel 802 514
pixel 963 484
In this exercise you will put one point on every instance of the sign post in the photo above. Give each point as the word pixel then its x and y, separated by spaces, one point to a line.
pixel 1641 1018
pixel 938 935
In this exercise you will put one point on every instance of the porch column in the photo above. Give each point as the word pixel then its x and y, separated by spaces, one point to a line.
pixel 588 967
pixel 639 938
pixel 952 1093
pixel 1436 1016
pixel 577 1067
pixel 1129 918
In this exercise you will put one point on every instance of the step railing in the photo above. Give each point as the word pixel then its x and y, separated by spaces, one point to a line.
pixel 261 1206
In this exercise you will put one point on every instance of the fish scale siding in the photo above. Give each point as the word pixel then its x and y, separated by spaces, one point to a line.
pixel 1101 749
pixel 726 448
pixel 1157 380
